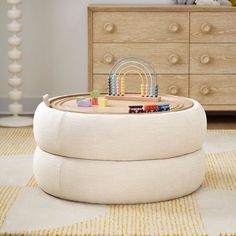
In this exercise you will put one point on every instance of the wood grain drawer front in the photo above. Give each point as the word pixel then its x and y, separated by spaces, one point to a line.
pixel 212 58
pixel 213 27
pixel 165 58
pixel 140 27
pixel 168 84
pixel 213 89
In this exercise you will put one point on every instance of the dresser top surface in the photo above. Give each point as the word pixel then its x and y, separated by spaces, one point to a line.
pixel 158 7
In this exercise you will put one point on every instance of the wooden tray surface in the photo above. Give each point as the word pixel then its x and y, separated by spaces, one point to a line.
pixel 68 103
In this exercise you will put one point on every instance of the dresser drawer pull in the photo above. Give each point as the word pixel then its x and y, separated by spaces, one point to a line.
pixel 174 27
pixel 108 58
pixel 173 89
pixel 109 27
pixel 205 28
pixel 173 58
pixel 205 59
pixel 205 90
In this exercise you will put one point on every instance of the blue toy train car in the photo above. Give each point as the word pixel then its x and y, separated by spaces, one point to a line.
pixel 163 107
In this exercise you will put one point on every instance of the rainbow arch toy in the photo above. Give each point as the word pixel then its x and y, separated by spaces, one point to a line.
pixel 143 70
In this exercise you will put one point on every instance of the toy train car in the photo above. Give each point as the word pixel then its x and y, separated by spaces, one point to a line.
pixel 136 109
pixel 149 108
pixel 164 107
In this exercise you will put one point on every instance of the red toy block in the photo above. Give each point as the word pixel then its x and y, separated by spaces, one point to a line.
pixel 94 101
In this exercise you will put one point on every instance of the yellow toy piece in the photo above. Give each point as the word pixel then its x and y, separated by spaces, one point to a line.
pixel 103 102
pixel 142 90
pixel 122 86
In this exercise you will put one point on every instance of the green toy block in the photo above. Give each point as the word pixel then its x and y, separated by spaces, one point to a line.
pixel 95 94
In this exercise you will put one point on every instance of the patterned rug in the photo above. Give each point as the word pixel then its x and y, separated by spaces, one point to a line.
pixel 26 210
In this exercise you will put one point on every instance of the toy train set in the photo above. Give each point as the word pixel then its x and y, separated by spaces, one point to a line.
pixel 149 108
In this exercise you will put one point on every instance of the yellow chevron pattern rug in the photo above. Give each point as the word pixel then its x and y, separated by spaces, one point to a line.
pixel 26 210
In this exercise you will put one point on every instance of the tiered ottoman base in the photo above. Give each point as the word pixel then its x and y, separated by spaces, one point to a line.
pixel 117 182
pixel 119 158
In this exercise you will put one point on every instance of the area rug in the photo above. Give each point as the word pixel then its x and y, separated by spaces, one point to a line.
pixel 26 210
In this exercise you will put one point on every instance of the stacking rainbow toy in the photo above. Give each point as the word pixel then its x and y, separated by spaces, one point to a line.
pixel 119 72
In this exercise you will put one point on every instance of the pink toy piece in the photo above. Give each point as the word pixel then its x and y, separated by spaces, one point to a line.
pixel 147 89
pixel 84 103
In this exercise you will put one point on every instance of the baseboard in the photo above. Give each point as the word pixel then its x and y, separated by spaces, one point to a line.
pixel 29 103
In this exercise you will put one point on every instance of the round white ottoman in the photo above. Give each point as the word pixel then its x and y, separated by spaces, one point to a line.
pixel 120 137
pixel 118 182
pixel 119 158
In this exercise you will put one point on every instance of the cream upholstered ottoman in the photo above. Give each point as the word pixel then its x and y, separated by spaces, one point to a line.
pixel 101 156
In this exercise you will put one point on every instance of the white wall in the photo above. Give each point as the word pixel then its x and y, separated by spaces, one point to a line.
pixel 54 47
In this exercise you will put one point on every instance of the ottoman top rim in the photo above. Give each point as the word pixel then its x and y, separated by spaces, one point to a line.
pixel 119 137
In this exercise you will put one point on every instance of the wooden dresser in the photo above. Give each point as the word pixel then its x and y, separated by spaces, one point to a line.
pixel 191 48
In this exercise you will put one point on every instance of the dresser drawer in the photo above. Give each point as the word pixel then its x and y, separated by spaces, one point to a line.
pixel 213 89
pixel 168 84
pixel 140 27
pixel 213 27
pixel 212 58
pixel 165 58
